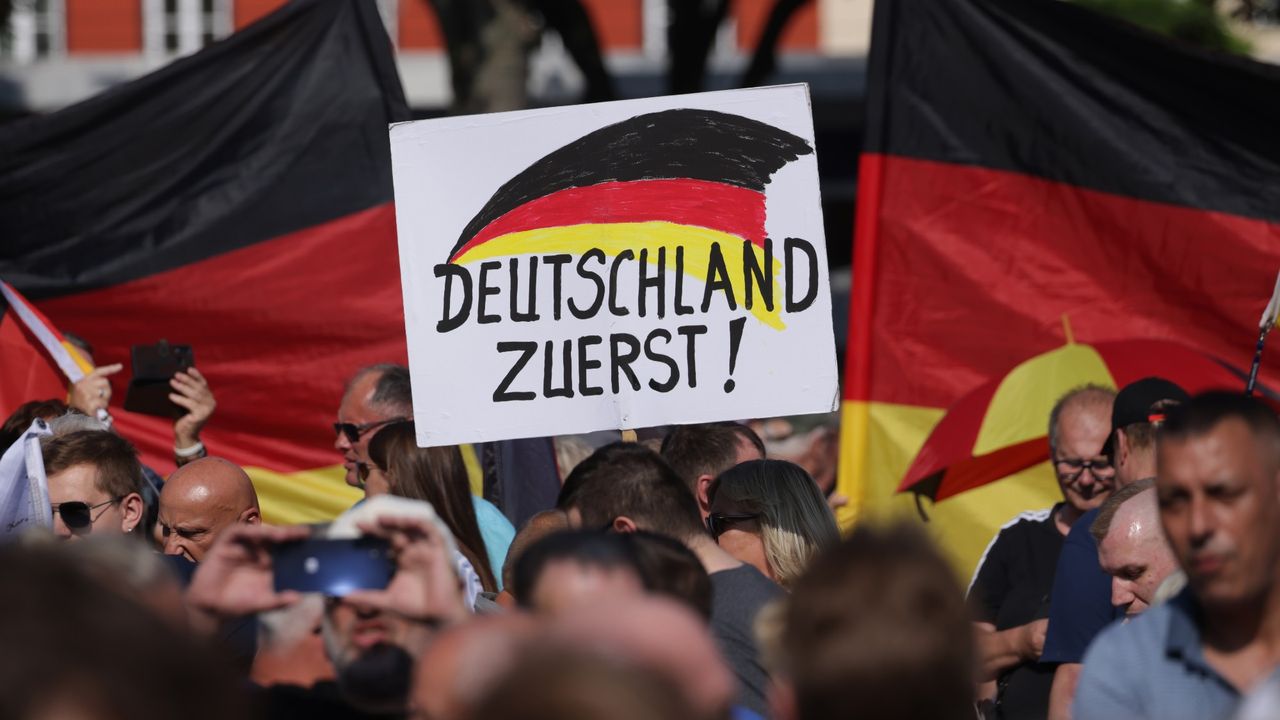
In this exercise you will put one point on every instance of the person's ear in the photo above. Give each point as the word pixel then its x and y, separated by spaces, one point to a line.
pixel 702 490
pixel 1122 449
pixel 624 524
pixel 251 516
pixel 132 508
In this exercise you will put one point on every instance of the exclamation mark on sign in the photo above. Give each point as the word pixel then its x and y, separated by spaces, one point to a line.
pixel 735 339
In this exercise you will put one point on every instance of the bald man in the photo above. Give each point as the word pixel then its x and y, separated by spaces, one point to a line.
pixel 199 501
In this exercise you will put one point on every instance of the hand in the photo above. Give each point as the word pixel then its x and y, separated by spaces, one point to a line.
pixel 425 587
pixel 235 579
pixel 191 392
pixel 93 391
pixel 1033 634
pixel 835 501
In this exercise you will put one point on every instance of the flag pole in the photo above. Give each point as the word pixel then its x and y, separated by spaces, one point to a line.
pixel 1268 321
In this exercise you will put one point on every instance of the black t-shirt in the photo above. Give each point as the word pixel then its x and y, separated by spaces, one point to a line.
pixel 1011 587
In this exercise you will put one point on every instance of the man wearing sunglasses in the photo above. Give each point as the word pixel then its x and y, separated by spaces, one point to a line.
pixel 95 484
pixel 376 396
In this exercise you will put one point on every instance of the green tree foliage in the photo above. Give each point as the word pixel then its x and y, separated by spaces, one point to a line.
pixel 1196 22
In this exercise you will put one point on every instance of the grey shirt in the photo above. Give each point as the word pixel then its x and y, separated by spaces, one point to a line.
pixel 1153 667
pixel 736 598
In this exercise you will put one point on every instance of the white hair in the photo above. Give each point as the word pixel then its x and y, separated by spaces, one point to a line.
pixel 75 422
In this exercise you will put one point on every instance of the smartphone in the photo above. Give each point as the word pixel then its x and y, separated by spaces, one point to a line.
pixel 153 367
pixel 333 567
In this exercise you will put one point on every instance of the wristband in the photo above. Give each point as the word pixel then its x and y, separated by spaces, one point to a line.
pixel 189 452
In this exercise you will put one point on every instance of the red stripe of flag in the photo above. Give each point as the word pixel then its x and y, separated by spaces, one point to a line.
pixel 717 206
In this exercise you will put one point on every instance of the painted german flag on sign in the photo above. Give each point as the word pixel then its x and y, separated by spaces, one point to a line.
pixel 667 179
pixel 1026 161
pixel 239 201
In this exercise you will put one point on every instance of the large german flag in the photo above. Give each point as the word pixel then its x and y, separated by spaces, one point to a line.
pixel 665 180
pixel 1027 160
pixel 238 200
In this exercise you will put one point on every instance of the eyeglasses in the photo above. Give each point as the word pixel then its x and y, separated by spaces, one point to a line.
pixel 77 515
pixel 353 432
pixel 717 523
pixel 1071 468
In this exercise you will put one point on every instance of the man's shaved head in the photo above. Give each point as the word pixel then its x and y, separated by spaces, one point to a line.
pixel 462 663
pixel 199 501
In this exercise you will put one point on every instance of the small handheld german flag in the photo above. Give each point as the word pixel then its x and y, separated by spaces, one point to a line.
pixel 38 361
pixel 1270 316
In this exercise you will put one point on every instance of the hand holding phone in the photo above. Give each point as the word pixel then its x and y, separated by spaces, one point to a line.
pixel 153 367
pixel 333 567
pixel 236 577
pixel 425 587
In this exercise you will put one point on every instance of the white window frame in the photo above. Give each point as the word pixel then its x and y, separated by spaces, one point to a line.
pixel 26 24
pixel 189 22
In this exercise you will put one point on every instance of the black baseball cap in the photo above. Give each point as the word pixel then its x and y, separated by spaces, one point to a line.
pixel 1137 403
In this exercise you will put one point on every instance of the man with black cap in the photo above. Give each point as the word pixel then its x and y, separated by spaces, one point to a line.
pixel 1080 605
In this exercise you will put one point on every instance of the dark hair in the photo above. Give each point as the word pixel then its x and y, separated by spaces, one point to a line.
pixel 629 479
pixel 876 619
pixel 795 520
pixel 707 449
pixel 663 565
pixel 588 548
pixel 1203 412
pixel 119 472
pixel 392 391
pixel 85 643
pixel 438 476
pixel 22 418
pixel 670 568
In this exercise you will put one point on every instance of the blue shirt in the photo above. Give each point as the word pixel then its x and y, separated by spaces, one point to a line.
pixel 1153 667
pixel 496 531
pixel 1080 604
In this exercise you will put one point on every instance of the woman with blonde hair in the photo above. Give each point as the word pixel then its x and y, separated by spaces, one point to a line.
pixel 770 514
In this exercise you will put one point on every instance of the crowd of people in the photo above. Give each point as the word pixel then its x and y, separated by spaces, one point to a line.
pixel 689 576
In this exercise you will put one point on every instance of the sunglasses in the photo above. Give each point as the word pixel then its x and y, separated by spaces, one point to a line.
pixel 77 515
pixel 354 432
pixel 717 523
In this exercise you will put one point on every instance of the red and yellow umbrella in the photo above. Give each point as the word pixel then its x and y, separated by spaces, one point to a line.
pixel 1001 427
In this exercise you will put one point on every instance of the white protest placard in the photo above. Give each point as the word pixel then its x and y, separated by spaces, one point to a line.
pixel 616 265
